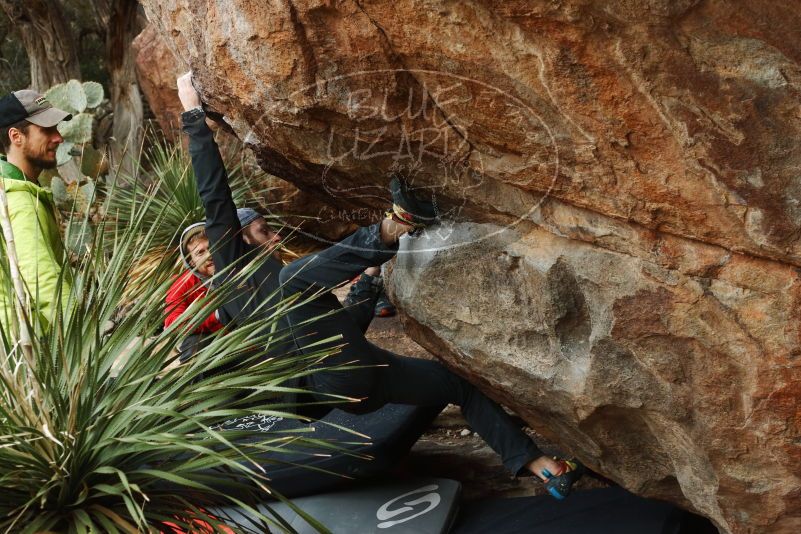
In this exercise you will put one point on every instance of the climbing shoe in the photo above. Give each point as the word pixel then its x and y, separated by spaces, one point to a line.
pixel 365 288
pixel 409 206
pixel 559 485
pixel 383 307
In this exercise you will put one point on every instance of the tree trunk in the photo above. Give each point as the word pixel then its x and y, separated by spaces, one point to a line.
pixel 120 22
pixel 46 36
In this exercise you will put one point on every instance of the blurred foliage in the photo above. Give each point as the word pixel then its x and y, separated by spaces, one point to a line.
pixel 91 48
pixel 14 67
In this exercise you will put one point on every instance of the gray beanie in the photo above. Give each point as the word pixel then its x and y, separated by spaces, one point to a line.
pixel 247 216
pixel 188 233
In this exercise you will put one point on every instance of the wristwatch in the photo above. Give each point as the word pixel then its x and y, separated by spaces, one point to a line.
pixel 193 113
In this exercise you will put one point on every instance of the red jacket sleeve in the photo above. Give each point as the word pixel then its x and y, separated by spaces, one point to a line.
pixel 184 291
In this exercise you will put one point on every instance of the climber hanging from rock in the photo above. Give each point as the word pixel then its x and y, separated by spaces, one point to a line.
pixel 379 377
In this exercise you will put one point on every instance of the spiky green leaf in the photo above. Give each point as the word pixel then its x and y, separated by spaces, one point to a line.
pixel 171 193
pixel 99 430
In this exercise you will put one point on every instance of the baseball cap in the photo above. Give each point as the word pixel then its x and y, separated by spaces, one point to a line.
pixel 31 106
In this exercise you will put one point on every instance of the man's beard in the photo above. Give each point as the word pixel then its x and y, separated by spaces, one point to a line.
pixel 43 163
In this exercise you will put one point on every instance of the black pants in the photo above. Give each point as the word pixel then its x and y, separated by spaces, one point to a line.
pixel 382 377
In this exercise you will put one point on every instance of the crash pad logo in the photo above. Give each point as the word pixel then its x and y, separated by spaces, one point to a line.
pixel 405 507
pixel 254 423
pixel 452 138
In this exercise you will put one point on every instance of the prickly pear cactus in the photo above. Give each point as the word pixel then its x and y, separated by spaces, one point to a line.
pixel 73 196
pixel 79 99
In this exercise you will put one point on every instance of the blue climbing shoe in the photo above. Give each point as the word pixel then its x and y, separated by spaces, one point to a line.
pixel 559 486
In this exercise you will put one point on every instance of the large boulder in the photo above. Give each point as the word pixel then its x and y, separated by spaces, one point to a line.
pixel 624 180
pixel 675 383
pixel 156 68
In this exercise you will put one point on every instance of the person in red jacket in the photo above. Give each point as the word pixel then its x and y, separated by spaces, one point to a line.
pixel 193 284
pixel 190 286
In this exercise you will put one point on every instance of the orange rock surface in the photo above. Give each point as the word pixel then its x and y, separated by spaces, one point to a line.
pixel 620 180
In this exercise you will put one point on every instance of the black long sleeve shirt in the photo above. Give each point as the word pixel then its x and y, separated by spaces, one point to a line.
pixel 260 291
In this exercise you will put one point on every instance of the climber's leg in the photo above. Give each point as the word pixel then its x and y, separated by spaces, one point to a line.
pixel 404 380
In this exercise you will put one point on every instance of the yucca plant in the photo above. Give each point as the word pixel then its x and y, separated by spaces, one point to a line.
pixel 164 189
pixel 100 433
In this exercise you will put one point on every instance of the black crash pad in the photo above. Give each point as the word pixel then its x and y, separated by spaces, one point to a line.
pixel 598 511
pixel 432 506
pixel 392 431
pixel 417 506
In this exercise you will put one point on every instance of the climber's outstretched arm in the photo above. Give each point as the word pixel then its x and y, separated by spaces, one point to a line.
pixel 222 224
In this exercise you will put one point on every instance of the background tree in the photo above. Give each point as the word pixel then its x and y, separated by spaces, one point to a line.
pixel 47 38
pixel 120 21
pixel 14 68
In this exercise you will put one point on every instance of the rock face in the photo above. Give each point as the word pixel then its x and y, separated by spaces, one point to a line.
pixel 157 68
pixel 676 384
pixel 624 177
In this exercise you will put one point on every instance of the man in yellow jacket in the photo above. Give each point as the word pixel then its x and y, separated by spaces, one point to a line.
pixel 30 138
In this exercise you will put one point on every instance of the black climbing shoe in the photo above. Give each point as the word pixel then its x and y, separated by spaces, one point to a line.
pixel 559 486
pixel 409 205
pixel 366 288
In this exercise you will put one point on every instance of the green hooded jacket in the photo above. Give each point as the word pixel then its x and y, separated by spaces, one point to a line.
pixel 40 251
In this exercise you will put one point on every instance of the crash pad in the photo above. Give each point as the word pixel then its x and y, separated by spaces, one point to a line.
pixel 383 438
pixel 597 511
pixel 416 506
